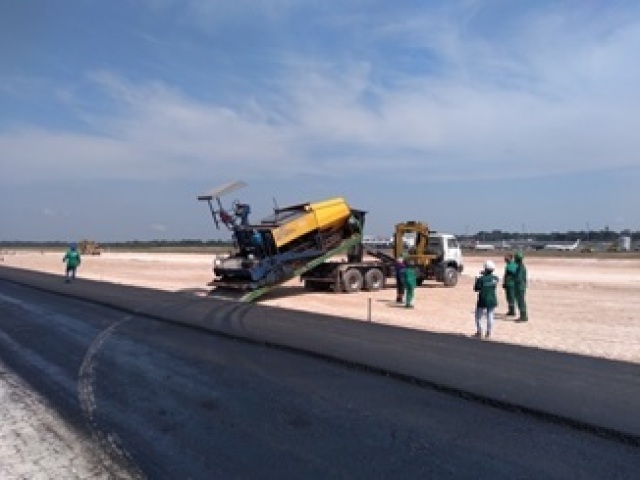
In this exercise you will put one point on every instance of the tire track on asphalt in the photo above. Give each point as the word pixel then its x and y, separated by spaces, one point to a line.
pixel 113 460
pixel 108 443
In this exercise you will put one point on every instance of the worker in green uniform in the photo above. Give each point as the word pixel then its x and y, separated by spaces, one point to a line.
pixel 509 283
pixel 521 287
pixel 410 281
pixel 73 260
pixel 485 285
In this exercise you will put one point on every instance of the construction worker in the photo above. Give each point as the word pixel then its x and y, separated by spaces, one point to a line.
pixel 509 283
pixel 73 260
pixel 409 274
pixel 485 285
pixel 242 211
pixel 399 266
pixel 521 287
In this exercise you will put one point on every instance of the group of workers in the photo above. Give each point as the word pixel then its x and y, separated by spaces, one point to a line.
pixel 514 283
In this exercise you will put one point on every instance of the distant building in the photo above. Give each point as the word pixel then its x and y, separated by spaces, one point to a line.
pixel 624 244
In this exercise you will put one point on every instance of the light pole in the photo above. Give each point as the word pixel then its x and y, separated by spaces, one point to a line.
pixel 588 230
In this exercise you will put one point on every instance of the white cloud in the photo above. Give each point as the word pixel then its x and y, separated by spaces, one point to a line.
pixel 553 99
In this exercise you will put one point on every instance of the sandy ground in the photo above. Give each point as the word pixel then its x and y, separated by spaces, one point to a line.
pixel 584 306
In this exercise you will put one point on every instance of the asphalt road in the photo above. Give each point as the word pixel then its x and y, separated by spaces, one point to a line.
pixel 159 400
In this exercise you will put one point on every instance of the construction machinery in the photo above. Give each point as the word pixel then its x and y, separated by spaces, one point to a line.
pixel 435 256
pixel 284 245
pixel 308 239
pixel 89 247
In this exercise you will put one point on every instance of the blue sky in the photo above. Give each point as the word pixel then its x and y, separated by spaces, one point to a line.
pixel 466 114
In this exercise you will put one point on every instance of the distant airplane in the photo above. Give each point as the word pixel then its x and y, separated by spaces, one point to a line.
pixel 483 246
pixel 564 248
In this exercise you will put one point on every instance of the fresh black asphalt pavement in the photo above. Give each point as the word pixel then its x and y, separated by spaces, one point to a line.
pixel 249 393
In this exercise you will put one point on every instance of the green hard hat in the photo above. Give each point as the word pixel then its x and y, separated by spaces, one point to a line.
pixel 518 256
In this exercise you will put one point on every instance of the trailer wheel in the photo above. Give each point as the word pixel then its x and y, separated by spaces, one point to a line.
pixel 450 277
pixel 352 280
pixel 374 280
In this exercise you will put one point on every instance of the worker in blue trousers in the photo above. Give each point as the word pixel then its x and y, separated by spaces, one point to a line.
pixel 485 285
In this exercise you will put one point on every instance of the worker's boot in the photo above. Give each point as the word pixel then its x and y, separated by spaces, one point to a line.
pixel 511 312
pixel 522 318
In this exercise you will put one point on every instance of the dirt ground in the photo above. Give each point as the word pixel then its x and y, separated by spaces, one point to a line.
pixel 578 305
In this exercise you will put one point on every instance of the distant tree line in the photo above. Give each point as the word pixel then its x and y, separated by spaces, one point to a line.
pixel 604 235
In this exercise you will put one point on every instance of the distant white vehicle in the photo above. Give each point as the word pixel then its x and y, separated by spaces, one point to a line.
pixel 564 248
pixel 377 242
pixel 483 246
pixel 409 241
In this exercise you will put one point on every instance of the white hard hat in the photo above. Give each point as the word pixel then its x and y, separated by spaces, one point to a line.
pixel 489 265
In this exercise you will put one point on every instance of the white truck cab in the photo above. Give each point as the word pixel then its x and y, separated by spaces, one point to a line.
pixel 448 264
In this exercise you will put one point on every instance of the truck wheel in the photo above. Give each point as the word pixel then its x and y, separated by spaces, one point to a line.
pixel 352 280
pixel 374 280
pixel 450 277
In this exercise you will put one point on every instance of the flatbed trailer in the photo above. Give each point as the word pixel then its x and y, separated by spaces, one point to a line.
pixel 355 273
pixel 351 276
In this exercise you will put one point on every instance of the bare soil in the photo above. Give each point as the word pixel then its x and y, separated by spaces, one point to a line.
pixel 585 306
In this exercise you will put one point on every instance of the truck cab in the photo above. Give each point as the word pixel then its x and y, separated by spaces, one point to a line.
pixel 448 263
